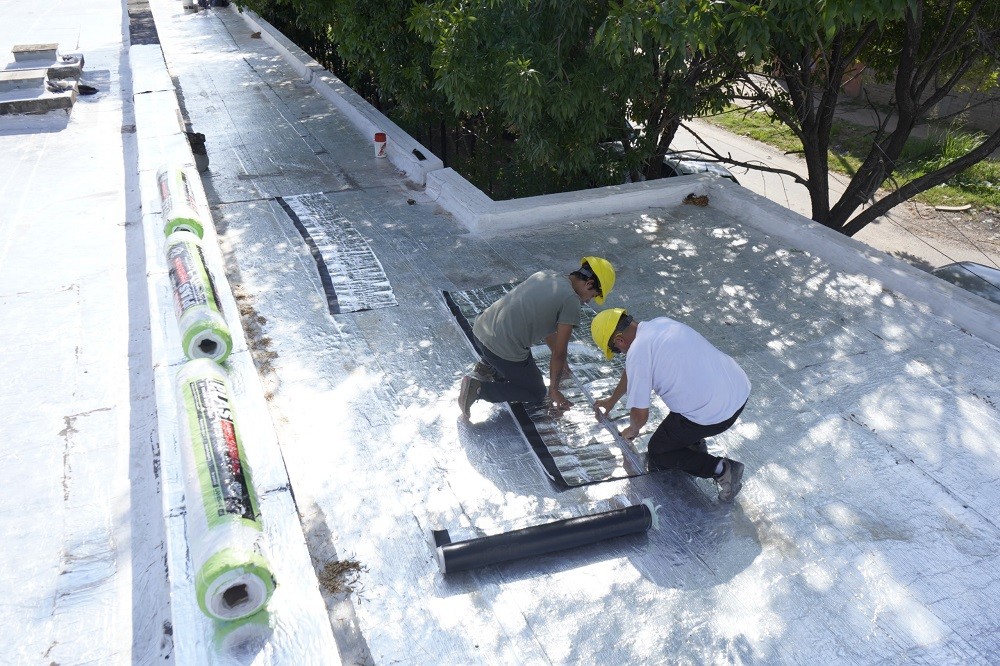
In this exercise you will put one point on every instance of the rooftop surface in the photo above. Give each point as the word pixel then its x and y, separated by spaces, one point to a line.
pixel 865 532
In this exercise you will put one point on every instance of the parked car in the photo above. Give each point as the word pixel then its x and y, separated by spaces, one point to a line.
pixel 976 278
pixel 685 164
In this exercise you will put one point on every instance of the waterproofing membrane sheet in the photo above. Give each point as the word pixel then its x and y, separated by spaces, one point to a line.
pixel 573 447
pixel 352 275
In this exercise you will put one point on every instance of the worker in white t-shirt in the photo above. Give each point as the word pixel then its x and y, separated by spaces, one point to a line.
pixel 704 389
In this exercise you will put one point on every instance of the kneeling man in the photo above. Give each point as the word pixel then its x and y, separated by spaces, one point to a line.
pixel 704 389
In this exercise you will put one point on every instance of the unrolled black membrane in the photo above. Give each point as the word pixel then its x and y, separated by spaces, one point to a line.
pixel 545 538
pixel 352 276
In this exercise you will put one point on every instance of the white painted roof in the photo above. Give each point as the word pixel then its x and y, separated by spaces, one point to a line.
pixel 865 532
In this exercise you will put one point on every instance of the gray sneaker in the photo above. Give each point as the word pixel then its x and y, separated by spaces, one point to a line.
pixel 731 480
pixel 484 372
pixel 468 394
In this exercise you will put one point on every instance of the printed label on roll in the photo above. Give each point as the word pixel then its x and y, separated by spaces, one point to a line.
pixel 187 190
pixel 179 206
pixel 226 490
pixel 204 333
pixel 193 284
pixel 166 193
pixel 166 201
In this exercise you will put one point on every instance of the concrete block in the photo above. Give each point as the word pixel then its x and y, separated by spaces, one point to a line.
pixel 23 80
pixel 66 69
pixel 63 67
pixel 26 52
pixel 47 101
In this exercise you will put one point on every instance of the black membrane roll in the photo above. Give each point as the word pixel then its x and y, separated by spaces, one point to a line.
pixel 545 538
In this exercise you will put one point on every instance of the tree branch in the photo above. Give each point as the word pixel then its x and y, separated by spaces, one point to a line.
pixel 728 159
pixel 922 184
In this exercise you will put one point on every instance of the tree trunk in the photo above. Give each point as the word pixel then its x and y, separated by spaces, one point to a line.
pixel 922 184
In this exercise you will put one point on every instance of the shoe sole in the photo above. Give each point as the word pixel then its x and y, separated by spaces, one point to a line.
pixel 463 397
pixel 735 484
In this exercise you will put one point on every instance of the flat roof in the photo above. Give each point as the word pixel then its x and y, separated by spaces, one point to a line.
pixel 864 532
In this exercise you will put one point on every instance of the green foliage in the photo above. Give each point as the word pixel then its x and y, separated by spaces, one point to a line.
pixel 974 40
pixel 528 95
pixel 532 65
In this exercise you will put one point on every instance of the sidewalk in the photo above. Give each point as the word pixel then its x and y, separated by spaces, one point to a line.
pixel 891 234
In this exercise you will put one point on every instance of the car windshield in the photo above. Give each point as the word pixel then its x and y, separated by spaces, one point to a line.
pixel 978 279
pixel 686 164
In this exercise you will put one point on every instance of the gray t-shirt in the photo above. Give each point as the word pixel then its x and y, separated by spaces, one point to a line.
pixel 527 314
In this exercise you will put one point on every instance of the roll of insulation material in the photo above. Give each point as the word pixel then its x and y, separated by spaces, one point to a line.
pixel 243 638
pixel 178 205
pixel 545 538
pixel 204 333
pixel 233 579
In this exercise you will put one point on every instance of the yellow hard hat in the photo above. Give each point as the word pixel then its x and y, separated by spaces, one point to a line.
pixel 605 274
pixel 603 327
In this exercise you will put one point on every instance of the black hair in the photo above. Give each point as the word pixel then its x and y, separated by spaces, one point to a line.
pixel 586 273
pixel 623 322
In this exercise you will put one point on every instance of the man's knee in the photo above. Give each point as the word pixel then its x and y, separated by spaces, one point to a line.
pixel 537 393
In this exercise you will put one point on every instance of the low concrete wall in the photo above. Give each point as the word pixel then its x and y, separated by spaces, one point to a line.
pixel 482 215
pixel 408 155
pixel 973 314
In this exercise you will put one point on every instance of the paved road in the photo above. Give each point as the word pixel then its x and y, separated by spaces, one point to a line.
pixel 895 233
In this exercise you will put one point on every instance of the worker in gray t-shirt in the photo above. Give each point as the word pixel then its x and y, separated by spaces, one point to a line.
pixel 546 306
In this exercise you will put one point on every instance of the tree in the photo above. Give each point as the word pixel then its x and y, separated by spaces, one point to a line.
pixel 372 41
pixel 928 47
pixel 582 85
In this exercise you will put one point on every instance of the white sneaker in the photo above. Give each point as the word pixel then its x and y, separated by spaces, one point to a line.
pixel 731 480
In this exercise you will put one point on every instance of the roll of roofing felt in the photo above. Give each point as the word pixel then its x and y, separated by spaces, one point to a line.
pixel 233 579
pixel 243 638
pixel 178 205
pixel 204 333
pixel 545 538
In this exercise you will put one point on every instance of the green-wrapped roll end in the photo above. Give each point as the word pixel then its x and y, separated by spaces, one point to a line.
pixel 208 337
pixel 184 223
pixel 233 584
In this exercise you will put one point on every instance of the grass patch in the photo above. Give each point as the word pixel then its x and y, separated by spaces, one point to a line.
pixel 979 185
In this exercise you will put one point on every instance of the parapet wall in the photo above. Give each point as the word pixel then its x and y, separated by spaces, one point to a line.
pixel 482 215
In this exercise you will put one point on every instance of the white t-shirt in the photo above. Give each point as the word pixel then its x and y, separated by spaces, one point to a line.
pixel 692 377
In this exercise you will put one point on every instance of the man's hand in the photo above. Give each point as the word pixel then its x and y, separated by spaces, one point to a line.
pixel 603 407
pixel 630 432
pixel 558 400
pixel 637 417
